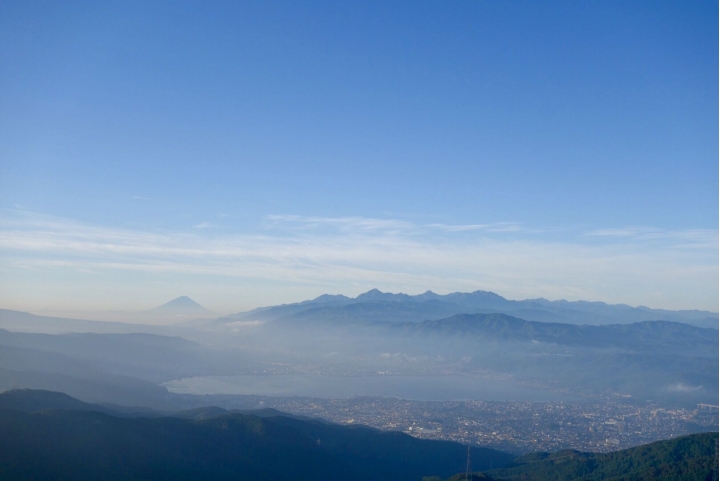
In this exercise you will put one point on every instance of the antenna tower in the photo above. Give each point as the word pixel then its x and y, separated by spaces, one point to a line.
pixel 467 467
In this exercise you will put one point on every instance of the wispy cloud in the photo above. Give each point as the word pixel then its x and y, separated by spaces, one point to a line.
pixel 682 238
pixel 354 253
pixel 488 228
pixel 347 224
pixel 368 224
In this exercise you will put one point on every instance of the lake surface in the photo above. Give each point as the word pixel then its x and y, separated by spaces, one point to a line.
pixel 419 388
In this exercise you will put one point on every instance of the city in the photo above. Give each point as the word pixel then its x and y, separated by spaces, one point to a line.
pixel 516 427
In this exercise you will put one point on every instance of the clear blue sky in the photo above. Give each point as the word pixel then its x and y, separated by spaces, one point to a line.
pixel 251 129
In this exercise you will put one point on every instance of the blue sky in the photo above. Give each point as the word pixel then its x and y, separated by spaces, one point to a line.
pixel 250 153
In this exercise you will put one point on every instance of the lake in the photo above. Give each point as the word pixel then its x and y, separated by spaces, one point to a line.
pixel 419 388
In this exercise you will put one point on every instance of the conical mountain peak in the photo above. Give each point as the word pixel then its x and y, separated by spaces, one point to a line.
pixel 182 303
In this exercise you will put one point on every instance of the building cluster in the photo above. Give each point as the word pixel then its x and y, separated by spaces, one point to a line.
pixel 516 427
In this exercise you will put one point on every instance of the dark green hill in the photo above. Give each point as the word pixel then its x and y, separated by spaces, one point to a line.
pixel 36 400
pixel 32 400
pixel 391 455
pixel 83 445
pixel 687 458
pixel 211 445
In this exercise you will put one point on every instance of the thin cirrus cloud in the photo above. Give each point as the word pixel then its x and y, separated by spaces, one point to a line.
pixel 497 227
pixel 365 224
pixel 349 254
pixel 348 224
pixel 699 238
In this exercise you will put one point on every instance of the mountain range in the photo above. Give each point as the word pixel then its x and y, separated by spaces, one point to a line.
pixel 674 363
pixel 377 306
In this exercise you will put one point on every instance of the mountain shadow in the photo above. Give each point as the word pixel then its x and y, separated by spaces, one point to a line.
pixel 60 443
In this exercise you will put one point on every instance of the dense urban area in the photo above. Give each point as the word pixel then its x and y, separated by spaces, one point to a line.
pixel 516 427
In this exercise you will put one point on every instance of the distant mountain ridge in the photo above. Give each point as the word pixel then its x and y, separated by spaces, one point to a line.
pixel 646 336
pixel 374 305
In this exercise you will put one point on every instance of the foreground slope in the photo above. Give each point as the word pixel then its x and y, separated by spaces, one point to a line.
pixel 688 458
pixel 86 444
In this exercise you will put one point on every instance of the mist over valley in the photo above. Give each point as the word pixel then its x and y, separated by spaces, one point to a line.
pixel 428 347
